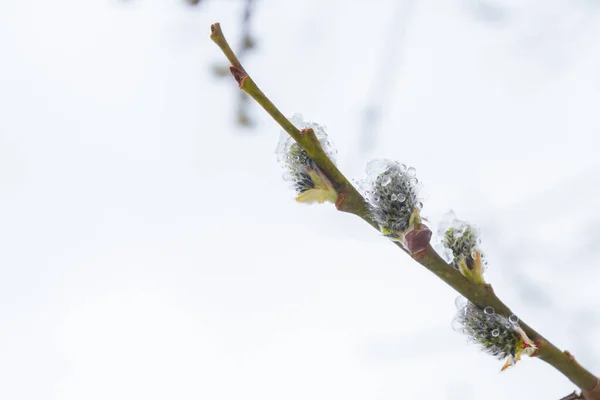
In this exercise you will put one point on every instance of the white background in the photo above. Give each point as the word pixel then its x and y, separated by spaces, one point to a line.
pixel 150 250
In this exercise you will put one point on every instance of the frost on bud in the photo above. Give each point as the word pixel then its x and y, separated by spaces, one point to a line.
pixel 501 337
pixel 392 192
pixel 308 180
pixel 462 241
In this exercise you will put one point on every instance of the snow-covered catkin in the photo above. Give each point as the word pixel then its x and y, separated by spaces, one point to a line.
pixel 463 240
pixel 392 192
pixel 308 180
pixel 499 336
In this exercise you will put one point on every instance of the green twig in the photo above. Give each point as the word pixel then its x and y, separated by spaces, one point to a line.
pixel 351 201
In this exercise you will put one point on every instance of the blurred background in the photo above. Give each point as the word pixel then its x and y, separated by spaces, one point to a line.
pixel 150 249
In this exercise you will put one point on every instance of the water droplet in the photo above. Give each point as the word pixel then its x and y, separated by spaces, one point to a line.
pixel 414 181
pixel 402 168
pixel 401 197
pixel 460 302
pixel 420 205
pixel 513 319
pixel 394 197
pixel 457 325
pixel 474 254
pixel 489 310
pixel 377 167
pixel 495 333
pixel 447 255
pixel 411 172
pixel 386 180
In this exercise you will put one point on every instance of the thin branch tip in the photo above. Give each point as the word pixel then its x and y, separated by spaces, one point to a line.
pixel 215 31
pixel 217 36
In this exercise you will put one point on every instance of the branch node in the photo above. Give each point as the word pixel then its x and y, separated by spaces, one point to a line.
pixel 341 196
pixel 569 355
pixel 238 74
pixel 306 131
pixel 538 344
pixel 593 394
pixel 419 254
pixel 417 241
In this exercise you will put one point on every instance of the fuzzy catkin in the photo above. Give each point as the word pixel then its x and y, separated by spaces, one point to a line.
pixel 463 242
pixel 309 182
pixel 498 336
pixel 392 191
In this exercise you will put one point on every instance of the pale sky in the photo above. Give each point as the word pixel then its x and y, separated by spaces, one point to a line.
pixel 149 248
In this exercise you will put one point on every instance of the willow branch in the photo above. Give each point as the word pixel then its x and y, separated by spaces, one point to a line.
pixel 351 201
